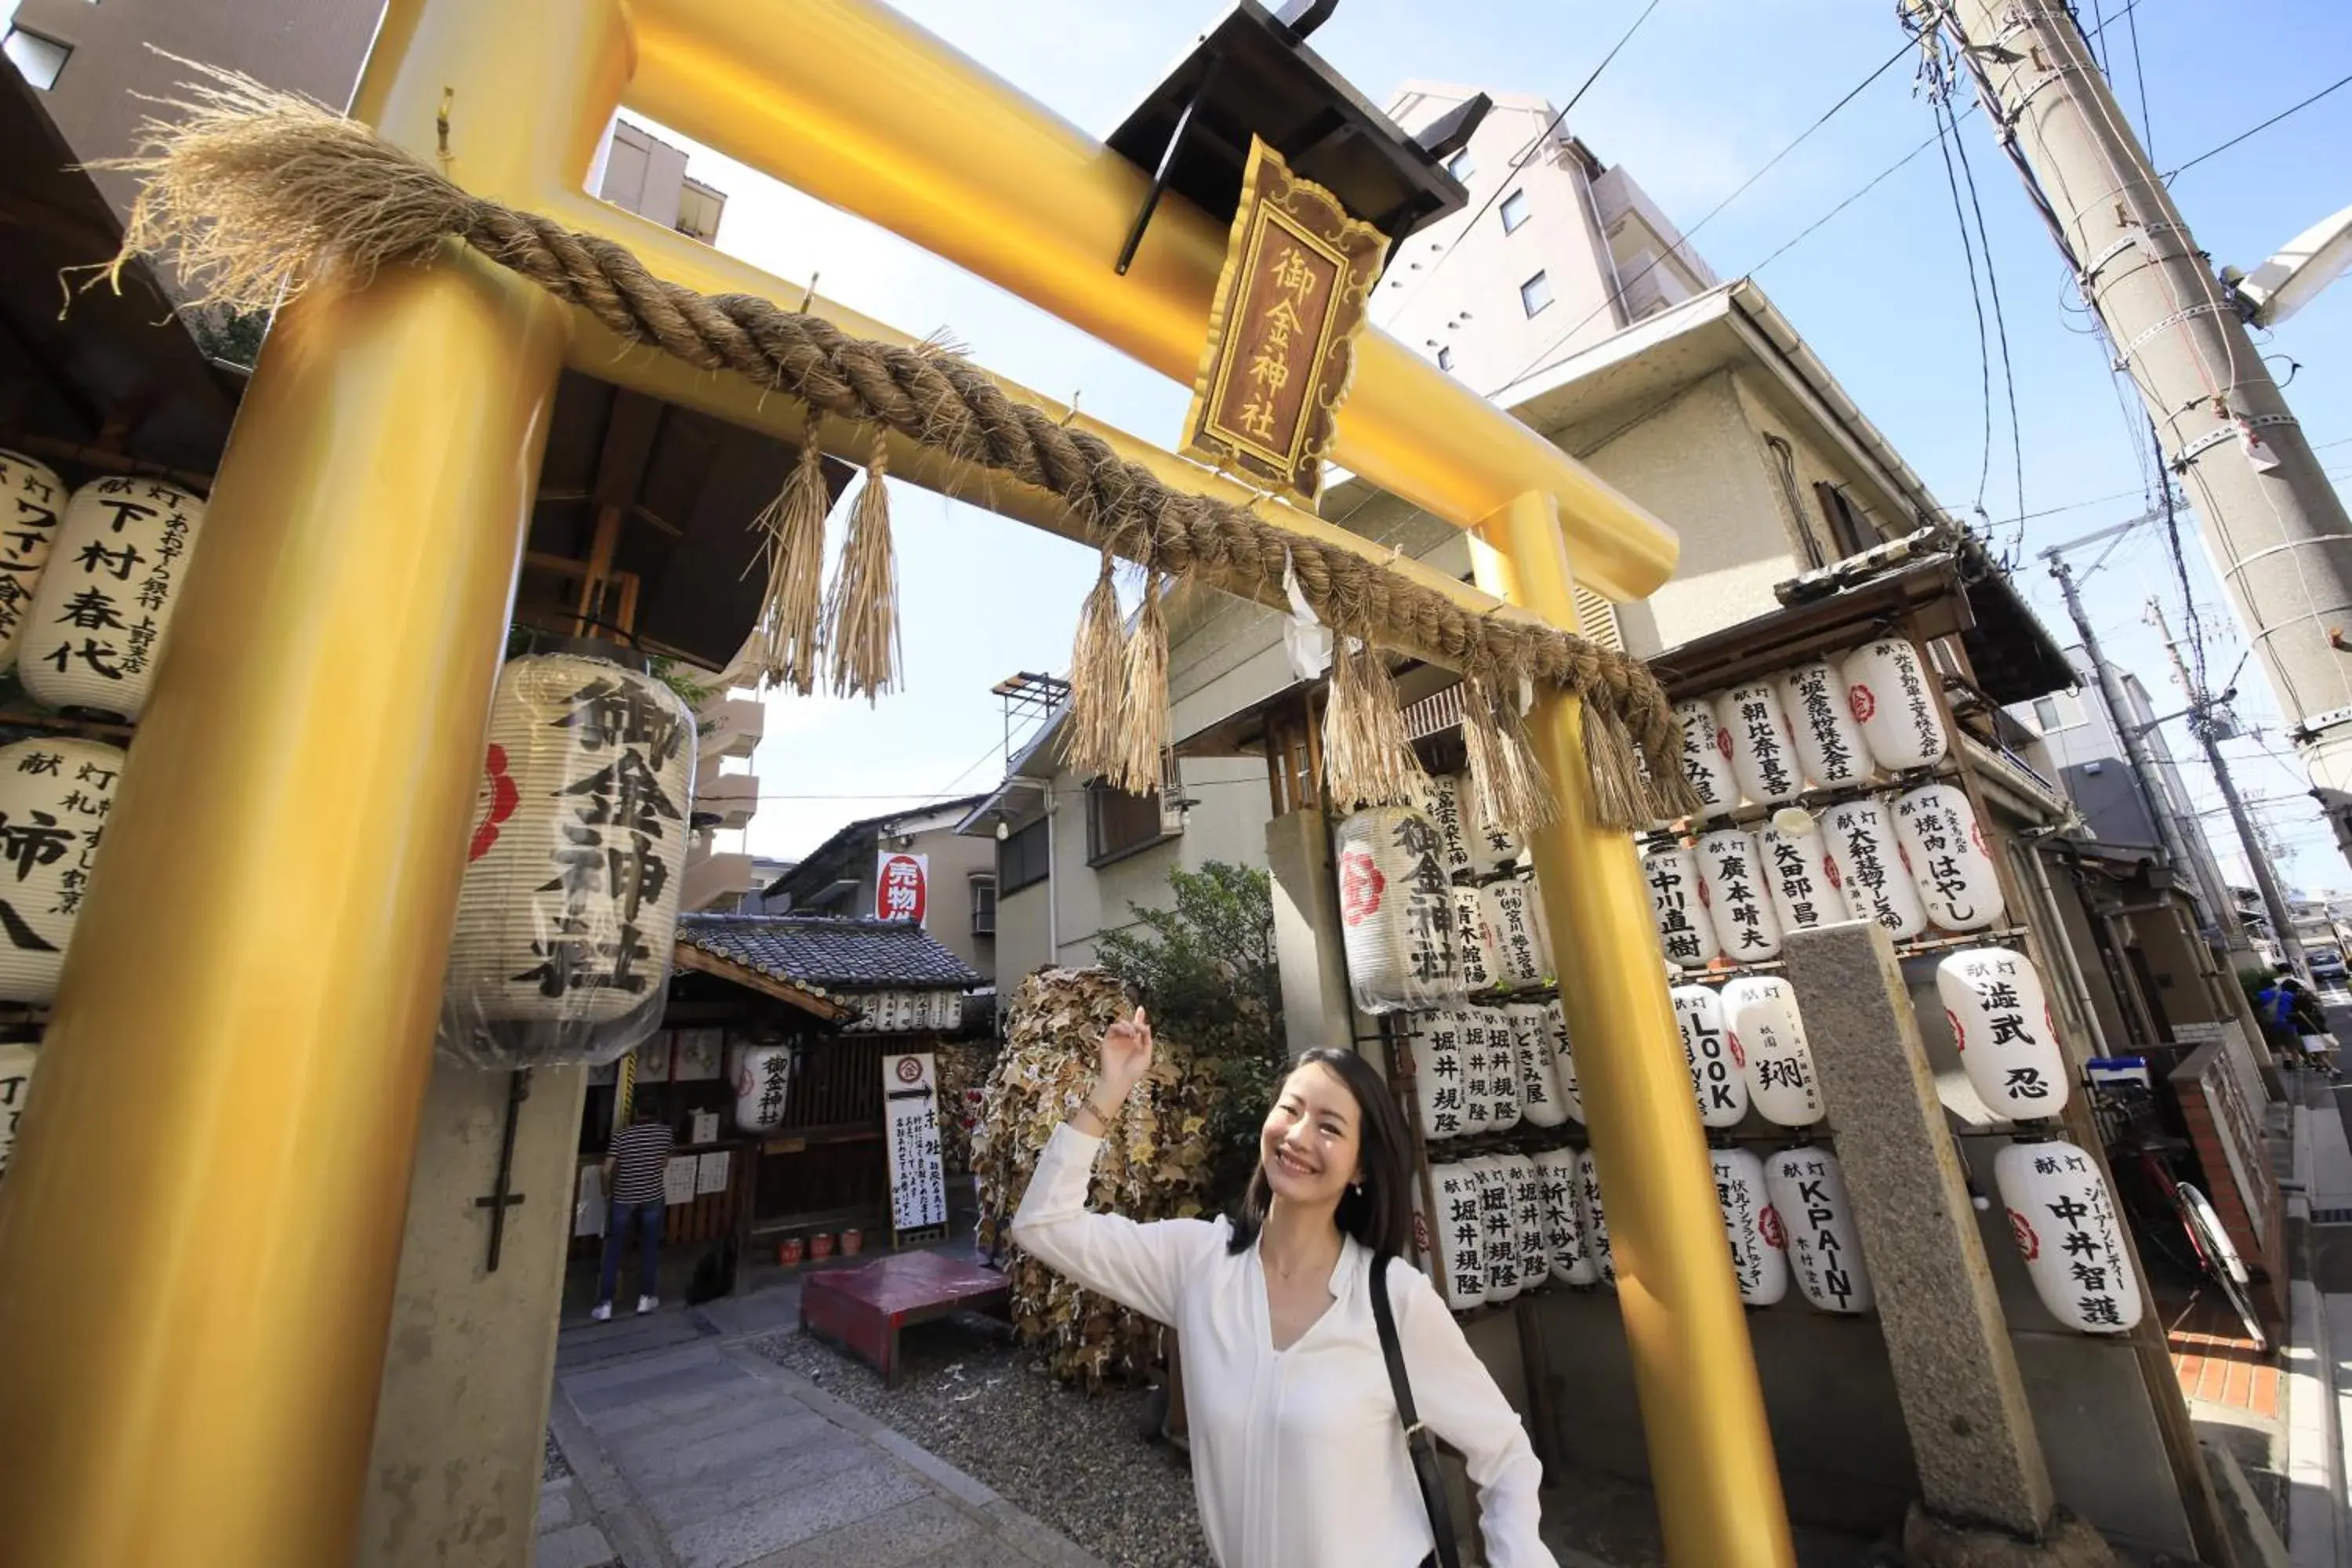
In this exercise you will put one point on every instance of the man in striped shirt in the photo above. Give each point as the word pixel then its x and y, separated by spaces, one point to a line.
pixel 634 1164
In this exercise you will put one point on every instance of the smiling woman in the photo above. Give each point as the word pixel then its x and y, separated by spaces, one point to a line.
pixel 1299 1370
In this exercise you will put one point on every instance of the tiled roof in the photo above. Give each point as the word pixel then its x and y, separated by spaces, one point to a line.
pixel 830 951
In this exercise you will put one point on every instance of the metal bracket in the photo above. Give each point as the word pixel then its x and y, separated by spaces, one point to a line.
pixel 1167 162
pixel 2222 432
pixel 2123 357
pixel 502 1197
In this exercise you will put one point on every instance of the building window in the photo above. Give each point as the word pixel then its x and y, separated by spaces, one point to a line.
pixel 699 207
pixel 1024 859
pixel 1515 210
pixel 39 60
pixel 1460 166
pixel 2046 712
pixel 984 906
pixel 1850 532
pixel 1535 293
pixel 1119 824
pixel 1444 359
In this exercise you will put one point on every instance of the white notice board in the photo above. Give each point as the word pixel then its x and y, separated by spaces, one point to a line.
pixel 911 1109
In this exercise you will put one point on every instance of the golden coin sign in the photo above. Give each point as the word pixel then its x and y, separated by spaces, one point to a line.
pixel 1281 343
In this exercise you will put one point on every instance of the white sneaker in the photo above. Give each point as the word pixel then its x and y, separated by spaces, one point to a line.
pixel 602 1312
pixel 646 1304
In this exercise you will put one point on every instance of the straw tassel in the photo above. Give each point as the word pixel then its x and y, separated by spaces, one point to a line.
pixel 1368 760
pixel 861 613
pixel 1091 736
pixel 1143 732
pixel 791 610
pixel 1617 793
pixel 1506 775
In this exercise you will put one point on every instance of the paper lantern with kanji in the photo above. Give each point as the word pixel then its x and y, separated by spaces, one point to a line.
pixel 1479 1026
pixel 1527 1213
pixel 1447 795
pixel 17 1062
pixel 1830 744
pixel 1739 896
pixel 568 911
pixel 2009 1042
pixel 1541 1103
pixel 1596 1219
pixel 1396 912
pixel 1547 964
pixel 1563 1060
pixel 1945 847
pixel 1707 758
pixel 1555 1177
pixel 763 1077
pixel 1751 1225
pixel 1887 692
pixel 1493 847
pixel 1763 754
pixel 1439 1070
pixel 1767 1037
pixel 1795 861
pixel 1509 915
pixel 1499 1224
pixel 1474 941
pixel 2064 1221
pixel 32 498
pixel 1458 1236
pixel 1717 1081
pixel 1502 1069
pixel 1807 1189
pixel 98 623
pixel 1678 906
pixel 1868 860
pixel 55 795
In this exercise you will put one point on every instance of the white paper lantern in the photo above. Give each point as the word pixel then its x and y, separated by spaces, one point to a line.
pixel 1886 690
pixel 1830 743
pixel 17 1061
pixel 1807 1190
pixel 1767 1037
pixel 1707 758
pixel 98 623
pixel 1563 1060
pixel 1517 952
pixel 1502 1069
pixel 32 498
pixel 1500 1225
pixel 568 913
pixel 55 795
pixel 1738 896
pixel 1547 964
pixel 2062 1219
pixel 1446 793
pixel 1541 1103
pixel 1596 1220
pixel 1556 1175
pixel 1528 1215
pixel 1794 858
pixel 1458 1237
pixel 1478 1063
pixel 1474 943
pixel 1868 860
pixel 1685 931
pixel 1763 753
pixel 1396 912
pixel 1438 1072
pixel 763 1077
pixel 2000 1021
pixel 1493 847
pixel 1945 847
pixel 1751 1225
pixel 1717 1081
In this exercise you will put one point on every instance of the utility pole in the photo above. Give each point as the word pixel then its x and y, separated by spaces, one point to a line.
pixel 2207 728
pixel 2280 537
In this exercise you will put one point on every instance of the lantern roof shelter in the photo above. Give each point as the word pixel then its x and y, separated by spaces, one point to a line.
pixel 828 956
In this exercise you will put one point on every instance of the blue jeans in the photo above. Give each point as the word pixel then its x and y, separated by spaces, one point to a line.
pixel 649 1219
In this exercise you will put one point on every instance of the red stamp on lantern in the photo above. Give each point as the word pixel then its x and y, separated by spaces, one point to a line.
pixel 1863 704
pixel 1360 887
pixel 2029 1246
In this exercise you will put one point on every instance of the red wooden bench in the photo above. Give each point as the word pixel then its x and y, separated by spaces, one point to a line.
pixel 863 1309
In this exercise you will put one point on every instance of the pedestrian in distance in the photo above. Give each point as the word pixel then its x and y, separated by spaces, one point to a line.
pixel 2275 1010
pixel 2310 1023
pixel 1290 1311
pixel 633 1164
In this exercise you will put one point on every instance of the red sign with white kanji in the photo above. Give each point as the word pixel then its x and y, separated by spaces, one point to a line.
pixel 901 886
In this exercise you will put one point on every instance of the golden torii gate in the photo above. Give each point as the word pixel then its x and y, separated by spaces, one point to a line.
pixel 193 1318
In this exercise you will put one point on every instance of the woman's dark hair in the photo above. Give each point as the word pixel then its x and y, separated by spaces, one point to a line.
pixel 1377 1210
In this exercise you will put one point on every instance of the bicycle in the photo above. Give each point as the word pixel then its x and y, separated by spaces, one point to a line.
pixel 2134 1133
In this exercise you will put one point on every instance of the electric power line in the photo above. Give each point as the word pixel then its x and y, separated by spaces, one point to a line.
pixel 2266 125
pixel 2139 75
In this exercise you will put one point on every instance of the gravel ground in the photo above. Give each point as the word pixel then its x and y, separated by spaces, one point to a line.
pixel 557 1467
pixel 1077 1464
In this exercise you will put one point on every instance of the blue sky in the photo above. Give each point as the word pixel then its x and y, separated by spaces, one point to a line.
pixel 1706 91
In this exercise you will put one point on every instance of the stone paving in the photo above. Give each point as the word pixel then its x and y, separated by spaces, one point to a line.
pixel 689 1450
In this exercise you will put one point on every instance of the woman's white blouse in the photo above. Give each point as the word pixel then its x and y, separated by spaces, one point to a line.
pixel 1298 1458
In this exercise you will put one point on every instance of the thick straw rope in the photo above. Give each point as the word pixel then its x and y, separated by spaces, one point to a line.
pixel 253 192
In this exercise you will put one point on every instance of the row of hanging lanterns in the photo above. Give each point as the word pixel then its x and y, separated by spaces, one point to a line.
pixel 1486 1070
pixel 1418 928
pixel 1745 1044
pixel 1823 725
